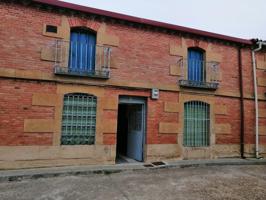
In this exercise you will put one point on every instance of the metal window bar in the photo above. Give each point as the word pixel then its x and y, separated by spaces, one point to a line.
pixel 214 71
pixel 202 71
pixel 79 119
pixel 83 58
pixel 196 124
pixel 198 73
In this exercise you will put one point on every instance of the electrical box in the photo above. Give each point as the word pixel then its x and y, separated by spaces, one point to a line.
pixel 155 93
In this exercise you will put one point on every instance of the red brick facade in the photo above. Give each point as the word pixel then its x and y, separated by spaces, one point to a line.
pixel 140 62
pixel 16 105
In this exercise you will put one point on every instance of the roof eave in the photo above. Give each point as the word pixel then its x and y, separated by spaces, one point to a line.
pixel 144 21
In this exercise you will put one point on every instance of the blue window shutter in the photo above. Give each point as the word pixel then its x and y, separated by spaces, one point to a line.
pixel 91 40
pixel 195 65
pixel 73 52
pixel 82 51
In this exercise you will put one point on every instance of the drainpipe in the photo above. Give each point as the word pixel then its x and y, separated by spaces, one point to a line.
pixel 242 111
pixel 260 43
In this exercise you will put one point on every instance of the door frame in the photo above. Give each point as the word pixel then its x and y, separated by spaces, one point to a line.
pixel 133 100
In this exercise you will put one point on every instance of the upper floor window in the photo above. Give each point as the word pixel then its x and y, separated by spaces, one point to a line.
pixel 78 119
pixel 196 124
pixel 196 72
pixel 196 65
pixel 81 56
pixel 82 51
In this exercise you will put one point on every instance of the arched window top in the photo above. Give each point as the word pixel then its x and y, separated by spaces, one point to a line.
pixel 83 29
pixel 75 99
pixel 80 94
pixel 198 49
pixel 196 102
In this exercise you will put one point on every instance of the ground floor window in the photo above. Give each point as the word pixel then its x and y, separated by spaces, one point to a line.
pixel 78 119
pixel 196 124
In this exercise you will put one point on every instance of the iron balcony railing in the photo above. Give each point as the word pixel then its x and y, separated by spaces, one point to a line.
pixel 82 59
pixel 198 73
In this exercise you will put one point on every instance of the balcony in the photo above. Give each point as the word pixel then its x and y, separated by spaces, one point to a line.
pixel 81 59
pixel 198 74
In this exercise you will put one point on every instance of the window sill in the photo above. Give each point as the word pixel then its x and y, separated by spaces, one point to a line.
pixel 198 85
pixel 89 74
pixel 196 147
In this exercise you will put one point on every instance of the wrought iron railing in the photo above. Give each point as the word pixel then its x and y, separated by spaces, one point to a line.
pixel 198 73
pixel 82 59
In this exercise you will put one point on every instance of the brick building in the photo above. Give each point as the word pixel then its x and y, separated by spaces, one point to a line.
pixel 86 86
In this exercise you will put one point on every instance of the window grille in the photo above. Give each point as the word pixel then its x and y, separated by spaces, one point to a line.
pixel 196 124
pixel 79 119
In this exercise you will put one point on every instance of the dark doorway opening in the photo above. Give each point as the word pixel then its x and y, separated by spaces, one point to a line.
pixel 130 130
pixel 122 130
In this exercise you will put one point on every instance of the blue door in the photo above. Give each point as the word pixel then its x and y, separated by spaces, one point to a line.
pixel 195 65
pixel 135 116
pixel 135 132
pixel 82 51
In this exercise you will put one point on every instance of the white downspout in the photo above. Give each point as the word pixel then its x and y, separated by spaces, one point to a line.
pixel 260 43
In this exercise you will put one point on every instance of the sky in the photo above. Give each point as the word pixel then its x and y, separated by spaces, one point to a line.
pixel 239 18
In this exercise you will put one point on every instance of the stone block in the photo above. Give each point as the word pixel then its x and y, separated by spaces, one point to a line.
pixel 110 103
pixel 169 128
pixel 262 113
pixel 223 128
pixel 39 125
pixel 175 70
pixel 110 126
pixel 220 110
pixel 39 99
pixel 172 107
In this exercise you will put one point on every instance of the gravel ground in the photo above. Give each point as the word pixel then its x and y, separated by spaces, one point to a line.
pixel 220 182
